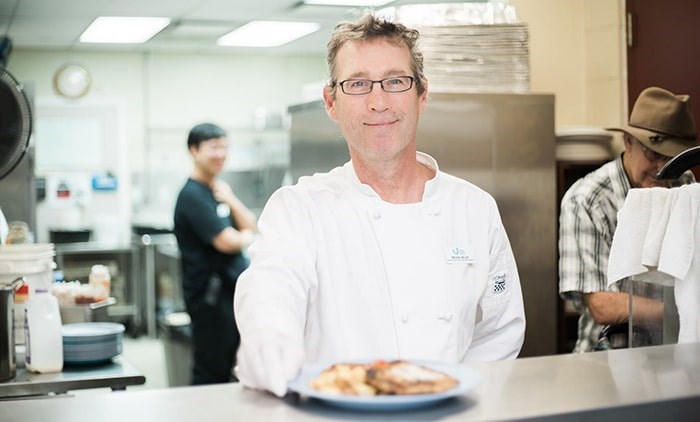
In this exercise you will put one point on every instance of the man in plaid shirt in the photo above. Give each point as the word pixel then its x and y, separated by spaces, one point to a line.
pixel 661 126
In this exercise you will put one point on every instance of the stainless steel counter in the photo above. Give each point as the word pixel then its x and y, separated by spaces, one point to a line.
pixel 116 375
pixel 655 384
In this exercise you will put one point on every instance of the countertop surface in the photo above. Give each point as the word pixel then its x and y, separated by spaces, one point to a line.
pixel 652 383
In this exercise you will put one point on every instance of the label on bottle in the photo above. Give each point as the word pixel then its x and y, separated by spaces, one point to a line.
pixel 21 295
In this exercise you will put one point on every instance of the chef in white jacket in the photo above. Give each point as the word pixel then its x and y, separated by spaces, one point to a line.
pixel 383 257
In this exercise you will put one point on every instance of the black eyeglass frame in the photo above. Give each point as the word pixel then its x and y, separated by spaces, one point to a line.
pixel 381 82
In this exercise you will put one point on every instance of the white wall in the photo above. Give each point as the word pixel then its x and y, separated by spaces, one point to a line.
pixel 576 52
pixel 166 94
pixel 172 92
pixel 557 59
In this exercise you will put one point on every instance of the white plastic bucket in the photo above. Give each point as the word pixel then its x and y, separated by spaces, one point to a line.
pixel 33 261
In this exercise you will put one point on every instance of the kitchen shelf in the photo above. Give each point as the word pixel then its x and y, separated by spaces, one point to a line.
pixel 77 259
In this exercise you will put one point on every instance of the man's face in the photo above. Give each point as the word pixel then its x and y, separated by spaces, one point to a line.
pixel 642 164
pixel 379 125
pixel 211 155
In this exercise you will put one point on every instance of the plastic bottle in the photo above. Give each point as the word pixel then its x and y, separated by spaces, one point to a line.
pixel 100 280
pixel 20 301
pixel 42 330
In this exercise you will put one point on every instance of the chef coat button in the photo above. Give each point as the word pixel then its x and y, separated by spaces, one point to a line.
pixel 404 318
pixel 436 212
pixel 376 215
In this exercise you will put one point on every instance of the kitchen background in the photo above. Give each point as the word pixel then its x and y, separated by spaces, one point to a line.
pixel 129 132
pixel 576 53
pixel 149 98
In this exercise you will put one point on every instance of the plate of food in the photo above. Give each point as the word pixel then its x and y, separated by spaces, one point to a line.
pixel 384 384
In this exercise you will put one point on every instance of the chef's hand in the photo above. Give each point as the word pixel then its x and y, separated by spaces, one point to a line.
pixel 268 361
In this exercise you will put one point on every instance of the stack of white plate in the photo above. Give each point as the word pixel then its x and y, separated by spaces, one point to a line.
pixel 471 47
pixel 91 342
pixel 477 58
pixel 583 143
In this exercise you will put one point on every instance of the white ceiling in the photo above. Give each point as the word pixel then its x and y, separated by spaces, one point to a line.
pixel 196 24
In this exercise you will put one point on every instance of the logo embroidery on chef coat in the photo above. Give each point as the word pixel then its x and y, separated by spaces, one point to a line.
pixel 223 210
pixel 499 283
pixel 458 254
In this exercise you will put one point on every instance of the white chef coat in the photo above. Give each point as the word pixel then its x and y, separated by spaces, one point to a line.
pixel 356 277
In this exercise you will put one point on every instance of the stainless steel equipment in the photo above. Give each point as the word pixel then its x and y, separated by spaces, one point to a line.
pixel 8 365
pixel 505 144
pixel 17 190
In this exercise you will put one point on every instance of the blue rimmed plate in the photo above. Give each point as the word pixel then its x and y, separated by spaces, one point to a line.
pixel 468 379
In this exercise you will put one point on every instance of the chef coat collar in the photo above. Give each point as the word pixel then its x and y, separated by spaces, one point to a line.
pixel 423 158
pixel 431 185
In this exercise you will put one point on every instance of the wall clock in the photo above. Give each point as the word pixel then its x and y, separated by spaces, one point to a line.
pixel 71 80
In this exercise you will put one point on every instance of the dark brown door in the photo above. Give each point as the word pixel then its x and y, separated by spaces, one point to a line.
pixel 665 49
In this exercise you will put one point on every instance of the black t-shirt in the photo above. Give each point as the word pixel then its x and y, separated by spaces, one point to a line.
pixel 198 219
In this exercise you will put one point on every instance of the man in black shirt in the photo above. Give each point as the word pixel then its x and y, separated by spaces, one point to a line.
pixel 213 227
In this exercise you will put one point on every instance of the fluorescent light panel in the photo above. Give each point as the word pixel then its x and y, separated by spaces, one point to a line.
pixel 267 33
pixel 123 30
pixel 357 3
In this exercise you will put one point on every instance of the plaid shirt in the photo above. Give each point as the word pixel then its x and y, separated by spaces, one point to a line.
pixel 587 224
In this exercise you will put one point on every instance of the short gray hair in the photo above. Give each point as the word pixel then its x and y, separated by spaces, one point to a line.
pixel 371 27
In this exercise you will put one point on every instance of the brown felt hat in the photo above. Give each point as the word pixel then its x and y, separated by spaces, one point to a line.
pixel 662 121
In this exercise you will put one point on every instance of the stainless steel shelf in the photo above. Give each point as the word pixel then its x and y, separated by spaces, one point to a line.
pixel 76 259
pixel 116 375
pixel 145 249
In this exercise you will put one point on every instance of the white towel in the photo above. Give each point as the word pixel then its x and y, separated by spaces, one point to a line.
pixel 680 258
pixel 641 224
pixel 662 201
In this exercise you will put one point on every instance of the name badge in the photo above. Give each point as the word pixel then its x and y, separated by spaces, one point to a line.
pixel 223 210
pixel 458 254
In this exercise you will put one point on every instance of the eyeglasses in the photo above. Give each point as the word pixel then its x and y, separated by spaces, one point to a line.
pixel 653 156
pixel 211 146
pixel 364 86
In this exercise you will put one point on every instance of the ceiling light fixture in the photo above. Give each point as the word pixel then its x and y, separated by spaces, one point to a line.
pixel 267 33
pixel 367 3
pixel 123 30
